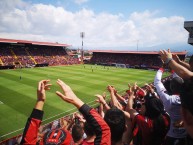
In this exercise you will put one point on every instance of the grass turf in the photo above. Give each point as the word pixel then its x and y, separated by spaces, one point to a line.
pixel 18 95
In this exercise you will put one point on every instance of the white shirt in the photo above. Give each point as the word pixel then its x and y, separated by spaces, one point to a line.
pixel 172 105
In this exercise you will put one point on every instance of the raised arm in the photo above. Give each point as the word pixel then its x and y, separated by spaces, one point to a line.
pixel 119 97
pixel 114 100
pixel 129 107
pixel 68 95
pixel 101 129
pixel 183 72
pixel 184 64
pixel 33 123
pixel 101 100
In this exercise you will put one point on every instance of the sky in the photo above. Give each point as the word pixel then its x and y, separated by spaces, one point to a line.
pixel 136 25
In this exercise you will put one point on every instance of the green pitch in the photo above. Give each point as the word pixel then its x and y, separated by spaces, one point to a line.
pixel 18 90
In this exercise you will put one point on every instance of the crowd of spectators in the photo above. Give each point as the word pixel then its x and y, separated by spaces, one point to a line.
pixel 30 56
pixel 142 116
pixel 6 57
pixel 148 115
pixel 130 60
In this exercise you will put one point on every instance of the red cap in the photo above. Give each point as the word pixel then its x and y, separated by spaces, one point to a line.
pixel 140 93
pixel 128 91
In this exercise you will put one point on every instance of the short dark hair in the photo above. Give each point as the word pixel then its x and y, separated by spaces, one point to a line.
pixel 176 84
pixel 115 118
pixel 88 129
pixel 167 86
pixel 77 132
pixel 186 95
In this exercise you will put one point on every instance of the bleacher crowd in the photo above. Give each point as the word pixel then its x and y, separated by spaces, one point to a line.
pixel 30 56
pixel 131 60
pixel 160 113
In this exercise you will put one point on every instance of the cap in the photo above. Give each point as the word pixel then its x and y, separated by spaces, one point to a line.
pixel 58 137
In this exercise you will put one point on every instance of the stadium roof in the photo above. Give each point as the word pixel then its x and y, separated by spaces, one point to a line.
pixel 188 25
pixel 2 40
pixel 136 52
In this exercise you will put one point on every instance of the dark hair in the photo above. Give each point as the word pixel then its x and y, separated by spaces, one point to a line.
pixel 155 111
pixel 167 86
pixel 88 129
pixel 154 107
pixel 176 84
pixel 186 95
pixel 77 132
pixel 115 118
pixel 160 129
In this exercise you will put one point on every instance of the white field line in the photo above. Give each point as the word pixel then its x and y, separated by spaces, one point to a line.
pixel 42 121
pixel 1 102
pixel 55 115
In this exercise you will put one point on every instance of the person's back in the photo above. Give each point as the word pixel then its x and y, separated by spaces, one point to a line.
pixel 148 133
pixel 115 119
pixel 172 104
pixel 90 135
pixel 154 124
pixel 187 108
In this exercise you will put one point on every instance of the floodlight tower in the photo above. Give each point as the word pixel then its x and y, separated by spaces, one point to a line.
pixel 137 44
pixel 82 35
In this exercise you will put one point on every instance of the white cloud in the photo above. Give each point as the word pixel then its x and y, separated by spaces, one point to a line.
pixel 41 22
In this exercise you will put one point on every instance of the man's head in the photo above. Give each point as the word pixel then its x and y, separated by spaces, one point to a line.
pixel 176 85
pixel 186 97
pixel 167 86
pixel 77 133
pixel 88 129
pixel 115 118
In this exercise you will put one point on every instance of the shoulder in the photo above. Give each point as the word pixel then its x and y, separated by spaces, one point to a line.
pixel 140 118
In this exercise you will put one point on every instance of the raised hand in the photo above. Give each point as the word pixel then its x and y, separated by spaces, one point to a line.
pixel 135 86
pixel 176 58
pixel 41 90
pixel 104 95
pixel 111 89
pixel 100 99
pixel 165 54
pixel 41 93
pixel 68 95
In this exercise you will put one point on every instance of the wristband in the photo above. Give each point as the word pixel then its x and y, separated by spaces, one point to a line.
pixel 161 69
pixel 168 60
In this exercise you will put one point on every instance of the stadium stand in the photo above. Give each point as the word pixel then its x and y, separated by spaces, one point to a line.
pixel 14 53
pixel 130 59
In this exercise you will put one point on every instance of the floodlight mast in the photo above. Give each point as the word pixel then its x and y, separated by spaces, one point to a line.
pixel 137 44
pixel 82 35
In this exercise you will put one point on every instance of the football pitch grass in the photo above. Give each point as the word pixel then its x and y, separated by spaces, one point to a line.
pixel 18 91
